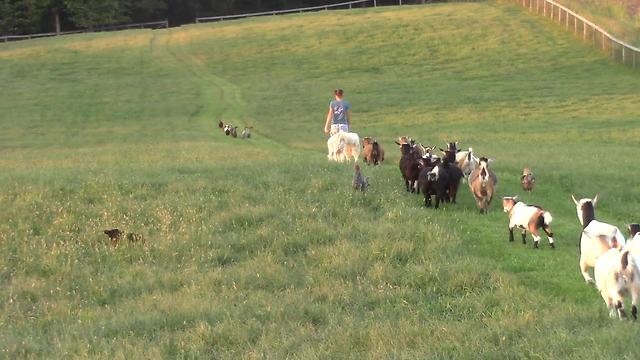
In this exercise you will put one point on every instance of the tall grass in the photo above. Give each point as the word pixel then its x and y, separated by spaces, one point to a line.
pixel 260 248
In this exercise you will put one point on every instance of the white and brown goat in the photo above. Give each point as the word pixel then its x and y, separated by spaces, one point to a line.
pixel 527 217
pixel 617 275
pixel 596 237
pixel 483 183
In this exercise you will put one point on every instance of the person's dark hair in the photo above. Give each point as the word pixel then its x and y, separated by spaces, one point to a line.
pixel 338 92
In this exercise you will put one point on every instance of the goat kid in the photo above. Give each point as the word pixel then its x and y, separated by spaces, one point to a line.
pixel 409 167
pixel 527 180
pixel 527 217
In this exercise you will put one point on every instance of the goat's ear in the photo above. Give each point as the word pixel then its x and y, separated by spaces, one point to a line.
pixel 625 260
pixel 441 149
pixel 574 200
pixel 397 143
pixel 491 161
pixel 595 200
pixel 515 197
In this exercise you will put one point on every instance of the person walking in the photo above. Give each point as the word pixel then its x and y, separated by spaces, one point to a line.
pixel 339 115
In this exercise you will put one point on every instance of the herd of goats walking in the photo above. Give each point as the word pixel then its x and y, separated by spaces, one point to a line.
pixel 616 261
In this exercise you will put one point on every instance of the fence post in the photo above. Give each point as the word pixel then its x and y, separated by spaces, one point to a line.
pixel 623 59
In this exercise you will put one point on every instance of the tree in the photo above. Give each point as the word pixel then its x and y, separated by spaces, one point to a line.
pixel 92 13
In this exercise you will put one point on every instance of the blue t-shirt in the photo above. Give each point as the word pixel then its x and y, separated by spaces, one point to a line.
pixel 339 110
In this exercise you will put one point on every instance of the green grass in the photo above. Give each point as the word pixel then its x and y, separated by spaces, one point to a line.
pixel 260 248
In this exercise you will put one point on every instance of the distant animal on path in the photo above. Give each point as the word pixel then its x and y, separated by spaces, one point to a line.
pixel 359 182
pixel 246 133
pixel 527 180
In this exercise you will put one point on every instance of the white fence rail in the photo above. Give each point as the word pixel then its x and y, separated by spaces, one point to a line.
pixel 588 31
pixel 348 4
pixel 147 25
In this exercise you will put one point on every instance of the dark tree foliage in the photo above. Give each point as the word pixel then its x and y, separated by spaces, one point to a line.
pixel 33 16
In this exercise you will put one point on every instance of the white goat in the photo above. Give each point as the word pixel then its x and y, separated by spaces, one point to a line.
pixel 617 275
pixel 527 217
pixel 596 238
pixel 466 161
pixel 343 145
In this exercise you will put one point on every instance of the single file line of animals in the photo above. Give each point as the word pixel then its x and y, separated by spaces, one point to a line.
pixel 615 261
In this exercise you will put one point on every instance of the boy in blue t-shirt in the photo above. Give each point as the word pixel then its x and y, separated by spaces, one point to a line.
pixel 339 115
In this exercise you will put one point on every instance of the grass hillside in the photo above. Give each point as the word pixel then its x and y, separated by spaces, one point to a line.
pixel 260 248
pixel 621 18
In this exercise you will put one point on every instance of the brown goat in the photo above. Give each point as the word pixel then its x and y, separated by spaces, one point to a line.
pixel 527 180
pixel 483 182
pixel 373 152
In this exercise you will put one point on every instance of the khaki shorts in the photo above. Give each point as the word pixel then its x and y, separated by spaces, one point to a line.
pixel 335 128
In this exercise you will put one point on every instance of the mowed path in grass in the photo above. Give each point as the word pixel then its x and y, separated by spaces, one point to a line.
pixel 260 248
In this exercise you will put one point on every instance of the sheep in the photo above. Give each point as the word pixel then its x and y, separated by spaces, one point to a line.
pixel 359 182
pixel 617 275
pixel 343 145
pixel 527 180
pixel 409 167
pixel 527 217
pixel 483 183
pixel 466 161
pixel 246 133
pixel 596 237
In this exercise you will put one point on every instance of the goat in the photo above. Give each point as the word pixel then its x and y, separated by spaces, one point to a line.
pixel 228 128
pixel 135 237
pixel 343 145
pixel 373 152
pixel 617 275
pixel 454 174
pixel 466 161
pixel 483 183
pixel 596 237
pixel 527 217
pixel 434 180
pixel 234 131
pixel 450 152
pixel 409 167
pixel 634 229
pixel 527 180
pixel 246 133
pixel 114 235
pixel 359 182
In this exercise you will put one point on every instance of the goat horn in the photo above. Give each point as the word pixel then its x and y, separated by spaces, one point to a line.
pixel 574 200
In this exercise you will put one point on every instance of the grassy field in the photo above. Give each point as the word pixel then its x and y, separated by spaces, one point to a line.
pixel 260 248
pixel 619 17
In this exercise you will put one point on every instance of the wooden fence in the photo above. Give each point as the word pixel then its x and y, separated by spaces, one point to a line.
pixel 147 25
pixel 585 29
pixel 346 5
